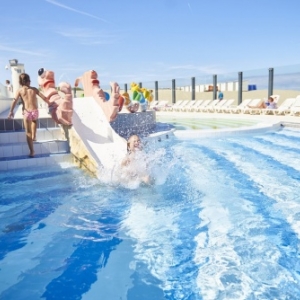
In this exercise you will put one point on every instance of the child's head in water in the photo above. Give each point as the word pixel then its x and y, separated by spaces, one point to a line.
pixel 136 163
pixel 134 143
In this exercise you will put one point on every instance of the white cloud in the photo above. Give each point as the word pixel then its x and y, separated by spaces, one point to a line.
pixel 88 37
pixel 75 10
pixel 202 69
pixel 18 50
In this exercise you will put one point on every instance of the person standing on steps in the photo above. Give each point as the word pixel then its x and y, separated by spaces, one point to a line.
pixel 30 113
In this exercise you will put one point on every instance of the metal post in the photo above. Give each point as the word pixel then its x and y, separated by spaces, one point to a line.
pixel 240 88
pixel 193 88
pixel 156 90
pixel 173 91
pixel 214 87
pixel 125 87
pixel 271 82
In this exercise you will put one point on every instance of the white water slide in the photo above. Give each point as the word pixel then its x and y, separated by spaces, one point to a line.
pixel 103 143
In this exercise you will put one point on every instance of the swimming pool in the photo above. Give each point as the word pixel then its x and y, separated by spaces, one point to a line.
pixel 221 222
pixel 204 123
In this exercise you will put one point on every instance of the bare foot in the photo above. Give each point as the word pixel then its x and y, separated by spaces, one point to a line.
pixel 31 155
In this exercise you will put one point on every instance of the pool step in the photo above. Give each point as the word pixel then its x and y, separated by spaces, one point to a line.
pixel 49 148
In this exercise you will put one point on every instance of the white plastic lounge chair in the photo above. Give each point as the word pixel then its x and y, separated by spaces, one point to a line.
pixel 196 105
pixel 218 106
pixel 225 106
pixel 210 107
pixel 161 104
pixel 295 108
pixel 188 106
pixel 275 97
pixel 174 105
pixel 253 107
pixel 181 105
pixel 237 109
pixel 283 109
pixel 203 105
pixel 153 103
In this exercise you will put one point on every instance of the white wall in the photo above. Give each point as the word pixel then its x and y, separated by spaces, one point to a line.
pixel 15 73
pixel 3 92
pixel 4 105
pixel 223 86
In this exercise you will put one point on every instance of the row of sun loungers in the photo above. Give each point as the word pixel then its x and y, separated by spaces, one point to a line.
pixel 290 106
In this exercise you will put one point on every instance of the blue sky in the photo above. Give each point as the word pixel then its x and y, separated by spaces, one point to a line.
pixel 148 40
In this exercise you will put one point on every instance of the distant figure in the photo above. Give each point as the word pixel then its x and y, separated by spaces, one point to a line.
pixel 220 95
pixel 28 95
pixel 8 86
pixel 134 162
pixel 271 104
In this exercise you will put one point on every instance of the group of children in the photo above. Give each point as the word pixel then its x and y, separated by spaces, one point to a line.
pixel 28 96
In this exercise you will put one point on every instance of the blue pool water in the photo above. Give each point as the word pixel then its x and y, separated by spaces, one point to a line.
pixel 221 222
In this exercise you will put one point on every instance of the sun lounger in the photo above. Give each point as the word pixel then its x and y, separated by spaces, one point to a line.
pixel 153 103
pixel 181 105
pixel 173 106
pixel 225 106
pixel 214 105
pixel 253 107
pixel 161 104
pixel 195 106
pixel 295 108
pixel 237 109
pixel 283 109
pixel 210 107
pixel 188 106
pixel 203 105
pixel 218 106
pixel 275 97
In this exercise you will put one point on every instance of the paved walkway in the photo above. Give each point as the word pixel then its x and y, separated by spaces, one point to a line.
pixel 272 119
pixel 43 113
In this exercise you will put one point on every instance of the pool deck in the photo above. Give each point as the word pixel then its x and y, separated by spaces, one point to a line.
pixel 263 123
pixel 260 118
pixel 43 113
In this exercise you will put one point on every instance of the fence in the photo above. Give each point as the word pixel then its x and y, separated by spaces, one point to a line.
pixel 284 81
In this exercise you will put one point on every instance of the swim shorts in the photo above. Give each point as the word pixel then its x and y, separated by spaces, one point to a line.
pixel 31 115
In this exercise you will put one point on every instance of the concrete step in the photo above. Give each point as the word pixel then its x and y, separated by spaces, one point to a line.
pixel 38 161
pixel 8 151
pixel 50 147
pixel 18 124
pixel 49 134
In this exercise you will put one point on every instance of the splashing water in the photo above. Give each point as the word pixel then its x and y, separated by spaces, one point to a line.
pixel 220 222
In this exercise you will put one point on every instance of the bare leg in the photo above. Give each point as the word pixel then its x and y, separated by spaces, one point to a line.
pixel 33 130
pixel 28 132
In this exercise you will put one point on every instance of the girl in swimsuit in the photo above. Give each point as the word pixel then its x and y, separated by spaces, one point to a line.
pixel 28 95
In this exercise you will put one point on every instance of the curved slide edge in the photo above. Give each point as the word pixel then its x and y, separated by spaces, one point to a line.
pixel 103 143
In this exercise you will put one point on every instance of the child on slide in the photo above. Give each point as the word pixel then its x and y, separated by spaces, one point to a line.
pixel 134 163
